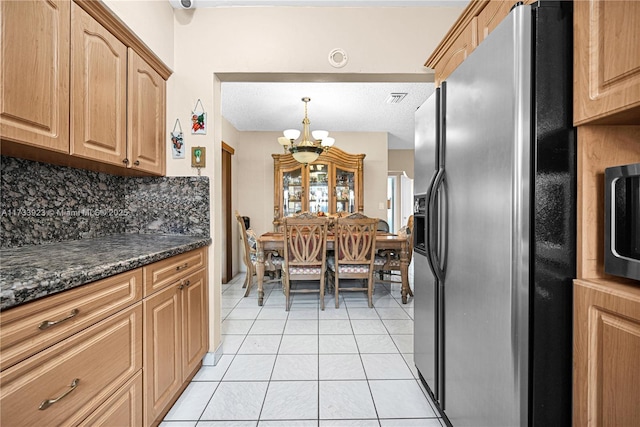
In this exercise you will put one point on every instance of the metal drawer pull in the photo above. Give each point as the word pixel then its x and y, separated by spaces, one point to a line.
pixel 182 267
pixel 187 283
pixel 49 323
pixel 46 403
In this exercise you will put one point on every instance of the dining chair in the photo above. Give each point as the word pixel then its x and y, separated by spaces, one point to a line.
pixel 383 225
pixel 387 261
pixel 272 261
pixel 354 254
pixel 305 252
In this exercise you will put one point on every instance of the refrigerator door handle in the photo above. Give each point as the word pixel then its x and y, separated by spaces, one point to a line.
pixel 432 226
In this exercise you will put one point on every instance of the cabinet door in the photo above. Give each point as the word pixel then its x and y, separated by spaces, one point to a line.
pixel 98 92
pixel 34 73
pixel 345 190
pixel 606 61
pixel 146 115
pixel 195 321
pixel 293 186
pixel 606 378
pixel 318 193
pixel 162 352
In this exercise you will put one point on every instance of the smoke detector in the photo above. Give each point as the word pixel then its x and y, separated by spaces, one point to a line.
pixel 182 4
pixel 338 58
pixel 395 98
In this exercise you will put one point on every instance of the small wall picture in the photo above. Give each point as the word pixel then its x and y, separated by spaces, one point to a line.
pixel 198 120
pixel 198 157
pixel 177 145
pixel 178 149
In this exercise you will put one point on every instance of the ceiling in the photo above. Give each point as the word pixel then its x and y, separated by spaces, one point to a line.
pixel 335 107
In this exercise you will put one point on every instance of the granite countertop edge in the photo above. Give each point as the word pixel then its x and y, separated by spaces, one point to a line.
pixel 20 284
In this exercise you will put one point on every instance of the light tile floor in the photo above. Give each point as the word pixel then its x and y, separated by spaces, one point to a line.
pixel 351 366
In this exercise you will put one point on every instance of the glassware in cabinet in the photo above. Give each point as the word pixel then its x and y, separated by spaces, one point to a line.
pixel 345 191
pixel 319 188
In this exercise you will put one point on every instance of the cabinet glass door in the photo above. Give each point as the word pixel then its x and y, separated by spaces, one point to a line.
pixel 318 188
pixel 292 192
pixel 345 191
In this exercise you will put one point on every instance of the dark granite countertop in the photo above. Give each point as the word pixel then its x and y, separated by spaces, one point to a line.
pixel 32 272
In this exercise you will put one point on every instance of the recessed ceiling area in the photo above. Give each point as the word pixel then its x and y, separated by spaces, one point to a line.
pixel 335 107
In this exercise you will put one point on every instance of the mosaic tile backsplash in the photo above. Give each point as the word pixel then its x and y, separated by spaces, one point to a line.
pixel 42 203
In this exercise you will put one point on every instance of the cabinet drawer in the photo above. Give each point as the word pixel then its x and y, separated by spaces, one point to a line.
pixel 123 408
pixel 165 272
pixel 99 360
pixel 24 329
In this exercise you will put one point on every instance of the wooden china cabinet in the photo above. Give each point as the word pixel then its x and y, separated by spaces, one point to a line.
pixel 331 184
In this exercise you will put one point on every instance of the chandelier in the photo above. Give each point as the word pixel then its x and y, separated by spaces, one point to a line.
pixel 307 150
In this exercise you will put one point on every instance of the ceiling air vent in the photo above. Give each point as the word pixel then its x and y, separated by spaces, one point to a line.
pixel 395 98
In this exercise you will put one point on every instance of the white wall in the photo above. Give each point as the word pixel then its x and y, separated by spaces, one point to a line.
pixel 200 44
pixel 401 160
pixel 152 21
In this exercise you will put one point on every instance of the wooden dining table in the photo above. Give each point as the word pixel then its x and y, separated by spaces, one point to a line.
pixel 273 241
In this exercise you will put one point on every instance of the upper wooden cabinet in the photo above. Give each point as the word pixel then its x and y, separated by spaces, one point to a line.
pixel 118 100
pixel 34 73
pixel 98 92
pixel 146 117
pixel 476 21
pixel 333 183
pixel 113 115
pixel 606 62
pixel 176 332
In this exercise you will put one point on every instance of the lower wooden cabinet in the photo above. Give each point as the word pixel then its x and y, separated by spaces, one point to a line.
pixel 64 383
pixel 107 356
pixel 162 340
pixel 195 321
pixel 176 338
pixel 606 353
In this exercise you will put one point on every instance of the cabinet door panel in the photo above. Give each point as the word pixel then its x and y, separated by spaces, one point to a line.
pixel 162 352
pixel 606 61
pixel 195 335
pixel 34 73
pixel 606 353
pixel 146 117
pixel 99 91
pixel 102 357
pixel 123 408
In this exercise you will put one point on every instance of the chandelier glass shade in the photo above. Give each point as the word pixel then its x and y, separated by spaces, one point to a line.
pixel 312 144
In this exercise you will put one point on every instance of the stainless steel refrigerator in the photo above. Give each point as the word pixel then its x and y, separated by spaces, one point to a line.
pixel 493 305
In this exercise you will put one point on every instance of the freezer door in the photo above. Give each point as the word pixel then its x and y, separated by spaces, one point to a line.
pixel 487 158
pixel 425 284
